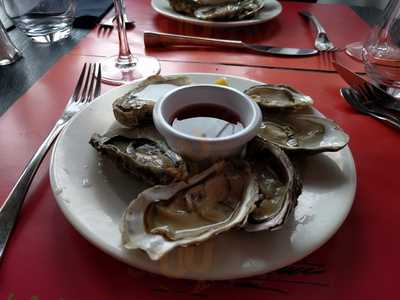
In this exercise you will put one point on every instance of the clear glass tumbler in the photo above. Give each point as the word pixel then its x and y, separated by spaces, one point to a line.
pixel 381 53
pixel 8 52
pixel 45 21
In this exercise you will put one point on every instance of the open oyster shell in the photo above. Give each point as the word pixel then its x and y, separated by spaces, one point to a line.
pixel 185 213
pixel 218 9
pixel 132 110
pixel 278 96
pixel 141 152
pixel 230 11
pixel 279 186
pixel 302 132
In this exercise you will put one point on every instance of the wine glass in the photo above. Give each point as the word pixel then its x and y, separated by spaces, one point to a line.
pixel 355 50
pixel 381 53
pixel 126 67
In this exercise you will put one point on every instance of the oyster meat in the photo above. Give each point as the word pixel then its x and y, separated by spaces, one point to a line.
pixel 231 11
pixel 133 110
pixel 302 132
pixel 278 96
pixel 184 213
pixel 141 152
pixel 218 10
pixel 279 186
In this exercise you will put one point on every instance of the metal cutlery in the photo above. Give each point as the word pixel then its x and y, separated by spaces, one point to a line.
pixel 368 89
pixel 353 98
pixel 90 78
pixel 322 42
pixel 158 39
pixel 109 22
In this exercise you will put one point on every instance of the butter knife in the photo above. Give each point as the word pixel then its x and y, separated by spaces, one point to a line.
pixel 158 39
pixel 358 83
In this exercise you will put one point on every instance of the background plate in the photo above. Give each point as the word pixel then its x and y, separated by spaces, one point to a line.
pixel 92 194
pixel 271 9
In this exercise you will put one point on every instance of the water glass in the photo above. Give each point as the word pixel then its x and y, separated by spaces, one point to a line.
pixel 8 52
pixel 45 21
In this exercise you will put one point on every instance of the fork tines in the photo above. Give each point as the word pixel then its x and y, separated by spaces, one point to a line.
pixel 328 56
pixel 104 31
pixel 91 83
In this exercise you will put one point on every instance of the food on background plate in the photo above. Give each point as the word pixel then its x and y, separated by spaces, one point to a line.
pixel 257 191
pixel 218 10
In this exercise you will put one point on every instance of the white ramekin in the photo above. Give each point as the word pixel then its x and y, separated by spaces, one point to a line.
pixel 198 148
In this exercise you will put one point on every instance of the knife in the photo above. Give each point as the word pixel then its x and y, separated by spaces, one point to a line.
pixel 158 39
pixel 358 83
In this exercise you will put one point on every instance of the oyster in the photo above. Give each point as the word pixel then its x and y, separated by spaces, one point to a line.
pixel 189 6
pixel 184 213
pixel 142 152
pixel 131 110
pixel 302 132
pixel 218 9
pixel 278 96
pixel 278 183
pixel 231 11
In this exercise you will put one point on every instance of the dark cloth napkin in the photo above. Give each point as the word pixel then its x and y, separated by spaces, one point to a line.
pixel 90 12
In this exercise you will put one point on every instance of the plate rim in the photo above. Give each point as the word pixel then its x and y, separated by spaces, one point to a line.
pixel 191 20
pixel 108 249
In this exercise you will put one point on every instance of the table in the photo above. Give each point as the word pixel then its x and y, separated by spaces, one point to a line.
pixel 47 259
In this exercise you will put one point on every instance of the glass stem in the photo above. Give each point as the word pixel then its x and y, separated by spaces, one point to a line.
pixel 125 58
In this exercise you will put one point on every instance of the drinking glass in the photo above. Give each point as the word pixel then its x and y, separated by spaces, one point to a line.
pixel 126 67
pixel 8 52
pixel 44 21
pixel 381 53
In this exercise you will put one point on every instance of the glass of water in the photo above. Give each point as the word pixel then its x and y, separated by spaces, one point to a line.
pixel 45 21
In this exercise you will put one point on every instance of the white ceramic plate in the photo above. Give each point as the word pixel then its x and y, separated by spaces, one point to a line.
pixel 271 9
pixel 92 194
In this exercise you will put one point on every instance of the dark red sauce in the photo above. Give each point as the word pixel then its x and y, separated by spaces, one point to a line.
pixel 206 120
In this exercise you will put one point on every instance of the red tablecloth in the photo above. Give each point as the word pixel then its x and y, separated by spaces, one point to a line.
pixel 287 30
pixel 47 259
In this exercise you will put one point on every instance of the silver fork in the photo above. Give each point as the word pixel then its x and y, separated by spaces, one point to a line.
pixel 81 97
pixel 109 22
pixel 106 27
pixel 322 42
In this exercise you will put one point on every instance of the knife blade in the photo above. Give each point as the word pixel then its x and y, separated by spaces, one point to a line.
pixel 158 39
pixel 357 82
